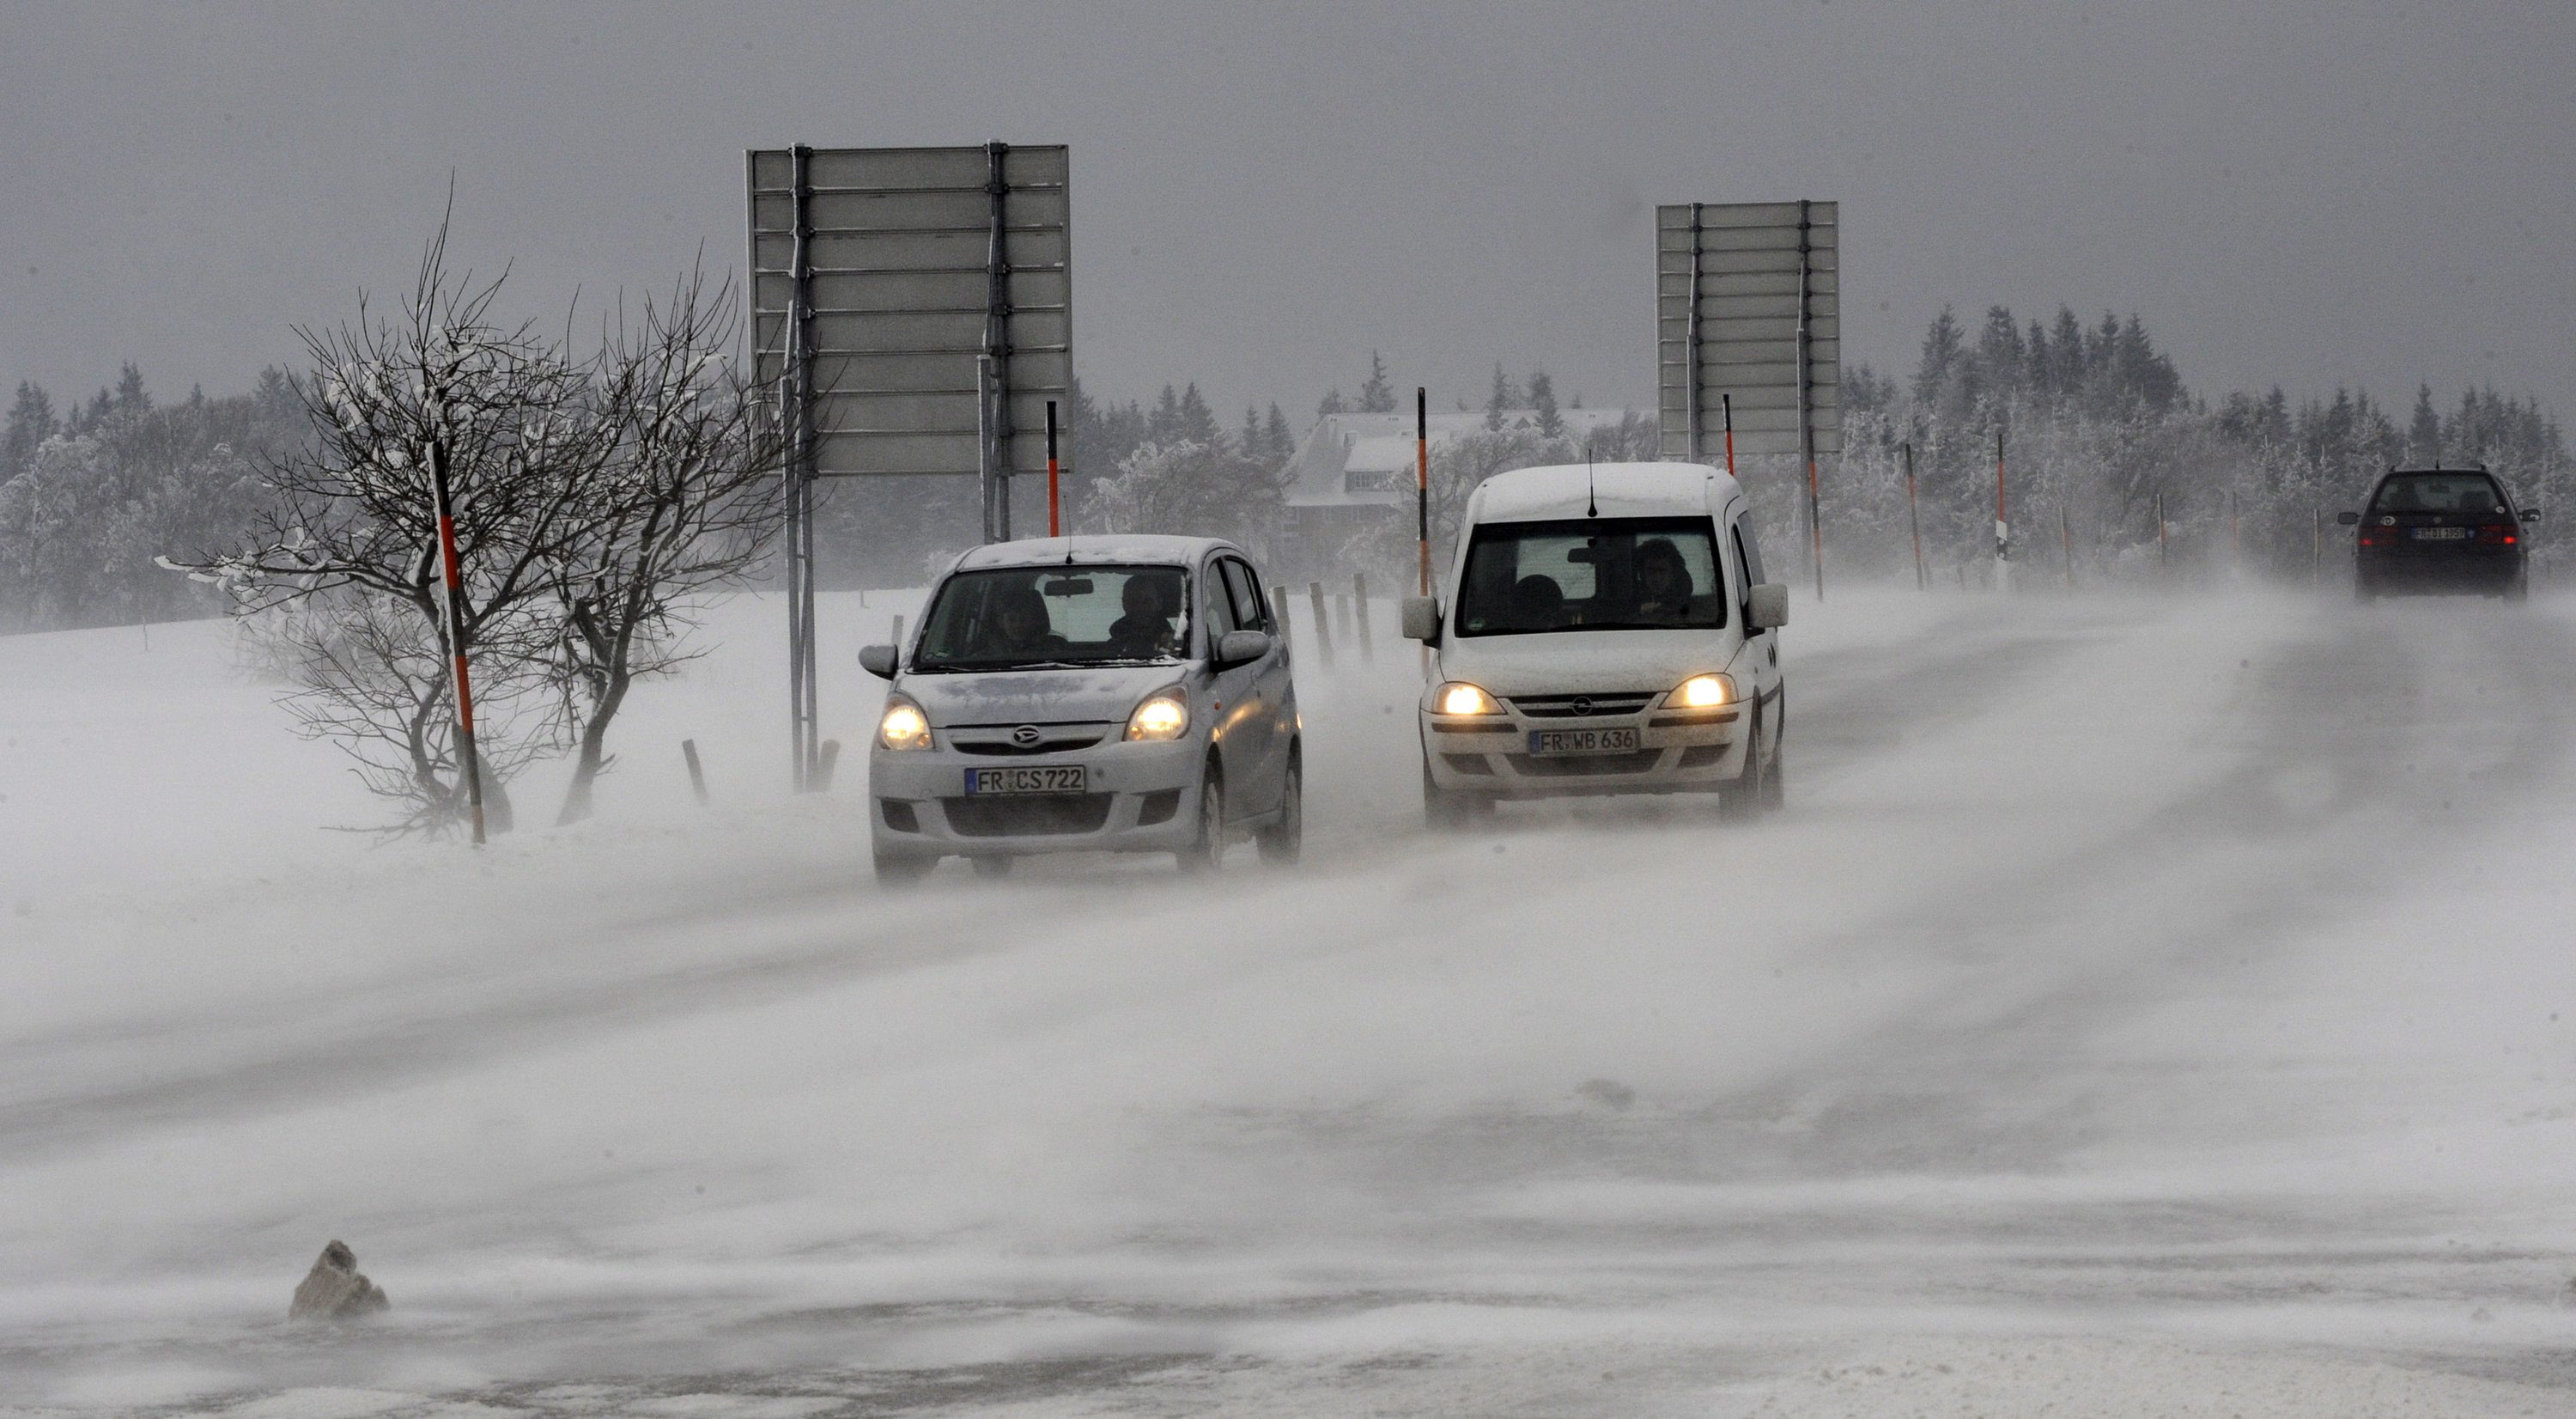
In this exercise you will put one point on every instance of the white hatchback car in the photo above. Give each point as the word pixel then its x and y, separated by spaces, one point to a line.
pixel 1603 630
pixel 1124 694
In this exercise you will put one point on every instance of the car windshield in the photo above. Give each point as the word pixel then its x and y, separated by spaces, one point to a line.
pixel 1596 574
pixel 2475 494
pixel 1021 617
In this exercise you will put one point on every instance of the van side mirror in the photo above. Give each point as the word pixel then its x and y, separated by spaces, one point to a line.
pixel 1767 605
pixel 1421 618
pixel 880 661
pixel 2531 514
pixel 1241 648
pixel 2348 519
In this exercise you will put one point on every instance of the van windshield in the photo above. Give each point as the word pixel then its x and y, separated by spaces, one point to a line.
pixel 1019 618
pixel 1594 574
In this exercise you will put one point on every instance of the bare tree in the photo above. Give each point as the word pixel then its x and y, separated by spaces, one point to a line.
pixel 687 503
pixel 351 541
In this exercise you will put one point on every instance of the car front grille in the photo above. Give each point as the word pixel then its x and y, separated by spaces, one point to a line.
pixel 1034 816
pixel 1600 704
pixel 1584 765
pixel 999 739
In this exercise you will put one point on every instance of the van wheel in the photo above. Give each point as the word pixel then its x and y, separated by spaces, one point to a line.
pixel 1284 842
pixel 993 867
pixel 1775 781
pixel 1751 792
pixel 1206 854
pixel 2520 587
pixel 903 869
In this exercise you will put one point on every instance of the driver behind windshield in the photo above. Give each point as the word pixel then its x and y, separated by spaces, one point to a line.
pixel 1663 583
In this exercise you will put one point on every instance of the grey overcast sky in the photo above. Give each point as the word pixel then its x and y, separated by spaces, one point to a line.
pixel 2309 194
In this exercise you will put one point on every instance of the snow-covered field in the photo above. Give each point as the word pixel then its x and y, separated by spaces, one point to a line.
pixel 2146 1006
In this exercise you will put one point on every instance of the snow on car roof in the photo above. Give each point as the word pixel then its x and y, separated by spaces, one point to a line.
pixel 1093 550
pixel 1618 489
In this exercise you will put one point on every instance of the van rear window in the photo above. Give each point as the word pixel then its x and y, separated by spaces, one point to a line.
pixel 2471 493
pixel 1592 574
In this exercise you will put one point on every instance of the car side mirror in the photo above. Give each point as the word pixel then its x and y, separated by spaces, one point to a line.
pixel 880 660
pixel 2348 519
pixel 1767 605
pixel 2531 514
pixel 1421 619
pixel 1241 648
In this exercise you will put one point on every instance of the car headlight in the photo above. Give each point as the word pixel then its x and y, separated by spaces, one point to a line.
pixel 1164 714
pixel 1701 692
pixel 1459 697
pixel 903 725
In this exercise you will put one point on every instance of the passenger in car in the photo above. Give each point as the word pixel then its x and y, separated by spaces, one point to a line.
pixel 1538 603
pixel 1020 625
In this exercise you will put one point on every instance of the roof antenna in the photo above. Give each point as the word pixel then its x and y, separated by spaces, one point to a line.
pixel 1591 499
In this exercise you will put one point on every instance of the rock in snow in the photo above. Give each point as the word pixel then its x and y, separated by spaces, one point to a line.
pixel 333 1289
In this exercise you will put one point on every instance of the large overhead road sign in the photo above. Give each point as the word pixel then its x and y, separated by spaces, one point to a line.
pixel 913 307
pixel 934 290
pixel 1748 308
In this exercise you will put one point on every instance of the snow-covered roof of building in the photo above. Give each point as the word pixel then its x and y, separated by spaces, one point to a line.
pixel 1366 460
pixel 1091 550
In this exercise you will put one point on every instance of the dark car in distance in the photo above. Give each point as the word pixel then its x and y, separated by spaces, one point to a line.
pixel 2430 531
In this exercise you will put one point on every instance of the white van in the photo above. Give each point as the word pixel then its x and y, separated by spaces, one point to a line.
pixel 1602 630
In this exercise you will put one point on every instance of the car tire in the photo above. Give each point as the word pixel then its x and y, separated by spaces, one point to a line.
pixel 1442 810
pixel 1284 842
pixel 1751 792
pixel 903 869
pixel 1206 852
pixel 994 868
pixel 1775 782
pixel 2519 589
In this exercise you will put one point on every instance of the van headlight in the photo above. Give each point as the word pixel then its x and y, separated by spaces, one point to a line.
pixel 903 725
pixel 1162 715
pixel 1701 692
pixel 1459 697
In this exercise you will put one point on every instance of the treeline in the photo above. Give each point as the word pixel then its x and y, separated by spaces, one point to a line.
pixel 91 494
pixel 2099 432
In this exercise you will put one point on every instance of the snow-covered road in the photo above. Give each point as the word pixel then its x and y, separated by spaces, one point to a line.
pixel 2147 1005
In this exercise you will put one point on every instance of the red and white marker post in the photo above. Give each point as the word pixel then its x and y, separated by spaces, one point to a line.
pixel 469 764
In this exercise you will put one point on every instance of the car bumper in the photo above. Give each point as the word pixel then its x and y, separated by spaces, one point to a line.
pixel 2474 570
pixel 1140 798
pixel 1677 752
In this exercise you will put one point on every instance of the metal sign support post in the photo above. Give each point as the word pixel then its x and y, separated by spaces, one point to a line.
pixel 1806 421
pixel 469 761
pixel 1690 355
pixel 1914 520
pixel 796 411
pixel 1422 481
pixel 997 357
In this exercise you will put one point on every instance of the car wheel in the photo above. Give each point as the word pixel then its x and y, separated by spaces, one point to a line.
pixel 1442 811
pixel 2519 589
pixel 1206 853
pixel 1751 792
pixel 995 867
pixel 903 869
pixel 1284 842
pixel 1775 781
